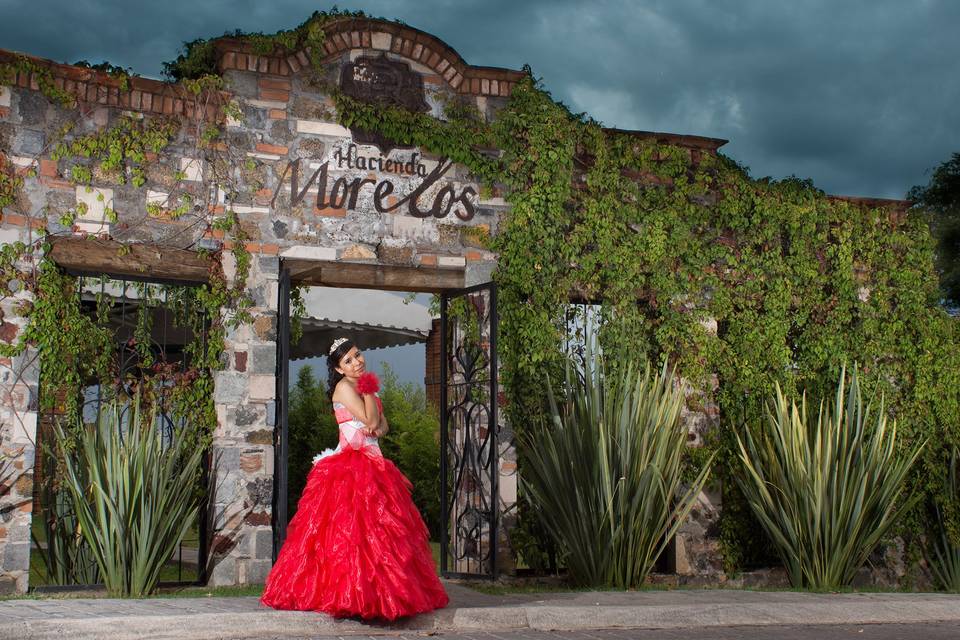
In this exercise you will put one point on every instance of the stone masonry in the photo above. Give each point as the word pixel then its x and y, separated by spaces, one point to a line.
pixel 284 121
pixel 285 117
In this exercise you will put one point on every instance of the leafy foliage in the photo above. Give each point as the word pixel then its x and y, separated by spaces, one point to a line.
pixel 941 198
pixel 121 147
pixel 40 74
pixel 134 496
pixel 826 492
pixel 312 428
pixel 944 554
pixel 671 241
pixel 198 57
pixel 607 475
pixel 411 443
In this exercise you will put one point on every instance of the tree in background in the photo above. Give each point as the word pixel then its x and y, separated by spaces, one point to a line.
pixel 941 197
pixel 411 444
pixel 312 429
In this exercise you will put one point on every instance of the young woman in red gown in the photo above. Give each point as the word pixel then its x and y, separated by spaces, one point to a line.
pixel 357 546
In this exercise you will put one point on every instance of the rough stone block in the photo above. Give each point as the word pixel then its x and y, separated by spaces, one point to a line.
pixel 262 387
pixel 228 387
pixel 263 358
pixel 265 327
pixel 264 544
pixel 358 252
pixel 317 128
pixel 451 261
pixel 310 253
pixel 271 417
pixel 28 142
pixel 223 572
pixel 380 40
pixel 23 430
pixel 16 557
pixel 394 253
pixel 228 489
pixel 97 201
pixel 192 169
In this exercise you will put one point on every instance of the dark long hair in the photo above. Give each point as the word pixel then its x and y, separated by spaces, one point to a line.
pixel 333 360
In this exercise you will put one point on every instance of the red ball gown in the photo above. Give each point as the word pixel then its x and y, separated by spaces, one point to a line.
pixel 357 546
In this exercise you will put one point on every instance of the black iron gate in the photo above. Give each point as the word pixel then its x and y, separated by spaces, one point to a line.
pixel 469 428
pixel 281 438
pixel 158 336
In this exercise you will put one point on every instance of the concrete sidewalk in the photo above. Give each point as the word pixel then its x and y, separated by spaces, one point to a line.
pixel 244 617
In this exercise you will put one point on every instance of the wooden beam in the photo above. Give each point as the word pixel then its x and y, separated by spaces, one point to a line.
pixel 373 276
pixel 135 260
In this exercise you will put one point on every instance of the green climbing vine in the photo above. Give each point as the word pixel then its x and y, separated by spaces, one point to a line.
pixel 738 282
pixel 199 56
pixel 78 347
pixel 41 74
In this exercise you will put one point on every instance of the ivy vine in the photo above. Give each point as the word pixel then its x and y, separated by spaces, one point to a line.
pixel 691 260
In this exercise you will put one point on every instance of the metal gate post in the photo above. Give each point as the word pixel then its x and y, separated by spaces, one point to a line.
pixel 281 439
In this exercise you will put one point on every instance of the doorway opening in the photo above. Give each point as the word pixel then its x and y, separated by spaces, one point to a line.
pixel 436 353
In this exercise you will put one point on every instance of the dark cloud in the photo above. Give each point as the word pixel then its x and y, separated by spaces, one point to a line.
pixel 862 95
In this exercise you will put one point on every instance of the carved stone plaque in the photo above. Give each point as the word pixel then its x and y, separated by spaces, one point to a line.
pixel 383 81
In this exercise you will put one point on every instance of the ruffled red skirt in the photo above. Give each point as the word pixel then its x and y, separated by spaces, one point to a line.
pixel 357 545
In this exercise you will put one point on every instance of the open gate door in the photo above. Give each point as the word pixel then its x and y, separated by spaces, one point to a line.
pixel 469 429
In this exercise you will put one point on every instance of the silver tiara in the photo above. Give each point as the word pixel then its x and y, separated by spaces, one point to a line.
pixel 336 344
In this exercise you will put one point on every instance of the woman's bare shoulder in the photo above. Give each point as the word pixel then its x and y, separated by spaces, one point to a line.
pixel 343 390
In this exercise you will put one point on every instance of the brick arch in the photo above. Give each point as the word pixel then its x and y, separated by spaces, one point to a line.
pixel 345 34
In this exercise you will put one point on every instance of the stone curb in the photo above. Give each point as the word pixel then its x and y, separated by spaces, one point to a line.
pixel 561 618
pixel 189 625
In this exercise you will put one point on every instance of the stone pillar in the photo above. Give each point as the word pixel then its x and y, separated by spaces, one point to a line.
pixel 241 479
pixel 19 385
pixel 507 494
pixel 696 549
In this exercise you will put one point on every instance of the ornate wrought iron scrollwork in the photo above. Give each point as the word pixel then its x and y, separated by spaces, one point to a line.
pixel 469 432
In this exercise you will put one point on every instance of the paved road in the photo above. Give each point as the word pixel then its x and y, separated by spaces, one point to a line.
pixel 949 631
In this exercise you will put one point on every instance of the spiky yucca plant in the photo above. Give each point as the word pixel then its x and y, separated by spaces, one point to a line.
pixel 944 556
pixel 605 476
pixel 825 492
pixel 134 496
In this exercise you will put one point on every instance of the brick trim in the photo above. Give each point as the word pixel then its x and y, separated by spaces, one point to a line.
pixel 345 34
pixel 92 87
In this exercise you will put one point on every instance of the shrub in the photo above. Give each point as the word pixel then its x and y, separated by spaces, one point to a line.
pixel 606 477
pixel 944 555
pixel 133 495
pixel 312 428
pixel 412 442
pixel 825 492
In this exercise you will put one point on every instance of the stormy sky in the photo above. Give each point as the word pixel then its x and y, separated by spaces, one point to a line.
pixel 862 96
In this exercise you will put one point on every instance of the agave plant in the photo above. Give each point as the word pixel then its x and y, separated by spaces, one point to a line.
pixel 66 554
pixel 944 556
pixel 825 492
pixel 605 475
pixel 134 496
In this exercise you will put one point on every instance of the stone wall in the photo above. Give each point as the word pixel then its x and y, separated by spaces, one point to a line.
pixel 19 381
pixel 285 117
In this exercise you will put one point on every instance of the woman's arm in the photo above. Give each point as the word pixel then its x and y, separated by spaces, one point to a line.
pixel 364 408
pixel 384 427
